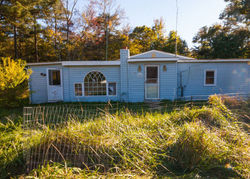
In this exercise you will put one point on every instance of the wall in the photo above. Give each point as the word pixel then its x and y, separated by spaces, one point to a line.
pixel 231 78
pixel 167 81
pixel 72 75
pixel 38 83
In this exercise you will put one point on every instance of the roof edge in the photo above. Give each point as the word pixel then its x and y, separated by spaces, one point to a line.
pixel 152 60
pixel 44 63
pixel 78 63
pixel 214 61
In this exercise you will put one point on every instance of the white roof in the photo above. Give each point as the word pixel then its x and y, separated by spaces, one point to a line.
pixel 78 63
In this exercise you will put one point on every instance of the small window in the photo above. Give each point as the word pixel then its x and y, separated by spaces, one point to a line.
pixel 78 89
pixel 54 77
pixel 112 88
pixel 210 78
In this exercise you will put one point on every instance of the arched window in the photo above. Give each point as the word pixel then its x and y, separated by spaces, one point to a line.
pixel 95 84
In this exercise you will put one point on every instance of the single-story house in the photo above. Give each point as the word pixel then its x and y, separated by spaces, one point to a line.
pixel 153 75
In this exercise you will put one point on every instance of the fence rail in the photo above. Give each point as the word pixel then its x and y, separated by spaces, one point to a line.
pixel 42 119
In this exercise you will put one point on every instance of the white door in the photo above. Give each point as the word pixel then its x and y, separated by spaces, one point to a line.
pixel 152 82
pixel 55 89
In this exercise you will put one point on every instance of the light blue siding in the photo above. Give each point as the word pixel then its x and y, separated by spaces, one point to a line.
pixel 38 83
pixel 167 81
pixel 124 55
pixel 231 78
pixel 76 75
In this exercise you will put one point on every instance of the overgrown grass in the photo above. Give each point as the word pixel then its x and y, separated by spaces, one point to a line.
pixel 187 142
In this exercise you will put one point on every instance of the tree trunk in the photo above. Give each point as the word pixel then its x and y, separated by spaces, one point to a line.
pixel 15 43
pixel 67 31
pixel 55 29
pixel 67 47
pixel 107 36
pixel 107 44
pixel 35 40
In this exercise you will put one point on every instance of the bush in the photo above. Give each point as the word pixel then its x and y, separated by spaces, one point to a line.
pixel 13 82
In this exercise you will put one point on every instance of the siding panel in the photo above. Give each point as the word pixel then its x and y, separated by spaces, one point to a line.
pixel 231 78
pixel 76 75
pixel 38 84
pixel 167 81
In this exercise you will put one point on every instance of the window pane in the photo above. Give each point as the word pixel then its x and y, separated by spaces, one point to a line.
pixel 78 89
pixel 94 84
pixel 209 77
pixel 112 89
pixel 152 74
pixel 54 77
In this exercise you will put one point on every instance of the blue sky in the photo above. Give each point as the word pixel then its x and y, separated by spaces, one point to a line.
pixel 193 14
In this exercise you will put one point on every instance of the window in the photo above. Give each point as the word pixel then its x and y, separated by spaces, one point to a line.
pixel 112 89
pixel 78 89
pixel 95 84
pixel 210 78
pixel 152 74
pixel 54 77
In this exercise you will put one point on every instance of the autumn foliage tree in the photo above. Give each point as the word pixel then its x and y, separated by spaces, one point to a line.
pixel 13 81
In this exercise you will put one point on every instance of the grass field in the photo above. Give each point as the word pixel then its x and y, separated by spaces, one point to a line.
pixel 180 139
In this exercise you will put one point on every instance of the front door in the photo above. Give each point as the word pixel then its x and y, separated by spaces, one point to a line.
pixel 152 82
pixel 55 89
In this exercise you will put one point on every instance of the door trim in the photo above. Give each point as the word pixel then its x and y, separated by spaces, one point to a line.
pixel 158 81
pixel 60 81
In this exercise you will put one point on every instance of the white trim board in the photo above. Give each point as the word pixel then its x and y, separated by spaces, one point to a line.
pixel 153 60
pixel 79 63
pixel 44 63
pixel 91 63
pixel 158 81
pixel 214 61
pixel 215 77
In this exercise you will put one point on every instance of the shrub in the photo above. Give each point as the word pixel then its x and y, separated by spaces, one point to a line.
pixel 13 81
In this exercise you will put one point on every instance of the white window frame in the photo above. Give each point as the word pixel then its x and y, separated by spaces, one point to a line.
pixel 158 81
pixel 108 88
pixel 61 81
pixel 61 77
pixel 215 77
pixel 75 89
pixel 84 85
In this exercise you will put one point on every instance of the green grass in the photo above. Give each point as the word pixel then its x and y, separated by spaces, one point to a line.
pixel 190 141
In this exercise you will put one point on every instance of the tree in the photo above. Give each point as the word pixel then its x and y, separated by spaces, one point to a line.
pixel 68 13
pixel 220 41
pixel 38 10
pixel 230 40
pixel 101 19
pixel 145 38
pixel 12 75
pixel 12 15
pixel 53 32
pixel 159 31
pixel 182 48
pixel 142 37
pixel 23 25
pixel 237 11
